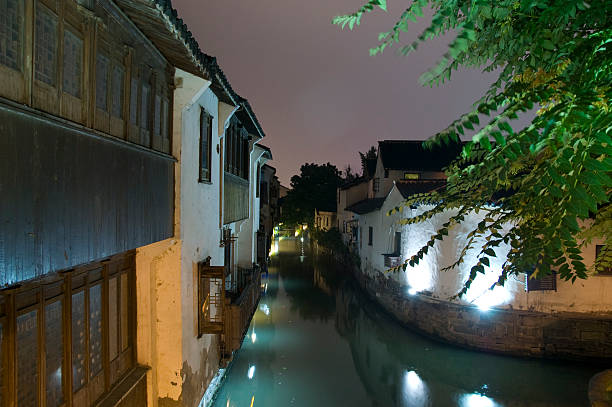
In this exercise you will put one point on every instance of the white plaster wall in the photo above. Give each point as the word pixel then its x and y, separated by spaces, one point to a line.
pixel 200 234
pixel 247 242
pixel 166 271
pixel 591 295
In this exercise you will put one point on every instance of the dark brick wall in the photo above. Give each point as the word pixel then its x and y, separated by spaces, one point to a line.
pixel 560 335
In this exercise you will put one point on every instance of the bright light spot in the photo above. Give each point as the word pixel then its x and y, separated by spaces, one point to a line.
pixel 414 390
pixel 413 291
pixel 274 248
pixel 265 308
pixel 253 337
pixel 302 239
pixel 490 298
pixel 252 400
pixel 227 405
pixel 297 232
pixel 251 372
pixel 304 227
pixel 476 400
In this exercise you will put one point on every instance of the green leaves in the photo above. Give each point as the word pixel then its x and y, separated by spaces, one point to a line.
pixel 548 183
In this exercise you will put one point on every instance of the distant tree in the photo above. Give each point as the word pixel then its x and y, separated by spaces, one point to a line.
pixel 371 154
pixel 315 187
pixel 553 54
pixel 348 175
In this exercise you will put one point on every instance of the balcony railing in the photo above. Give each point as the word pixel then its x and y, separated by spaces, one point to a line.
pixel 235 198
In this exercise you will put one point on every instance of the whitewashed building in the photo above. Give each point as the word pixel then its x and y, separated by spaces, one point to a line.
pixel 191 286
pixel 386 243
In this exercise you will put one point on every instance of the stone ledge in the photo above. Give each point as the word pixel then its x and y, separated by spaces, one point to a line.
pixel 572 336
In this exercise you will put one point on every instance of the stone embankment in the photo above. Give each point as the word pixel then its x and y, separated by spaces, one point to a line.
pixel 585 337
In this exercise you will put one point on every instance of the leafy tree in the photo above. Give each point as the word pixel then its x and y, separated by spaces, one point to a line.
pixel 551 179
pixel 315 187
pixel 348 175
pixel 371 154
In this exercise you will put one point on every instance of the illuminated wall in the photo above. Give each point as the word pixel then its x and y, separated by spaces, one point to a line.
pixel 427 278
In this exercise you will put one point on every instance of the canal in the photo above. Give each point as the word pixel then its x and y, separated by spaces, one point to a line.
pixel 316 340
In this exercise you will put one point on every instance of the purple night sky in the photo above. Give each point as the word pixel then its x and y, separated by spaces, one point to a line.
pixel 317 93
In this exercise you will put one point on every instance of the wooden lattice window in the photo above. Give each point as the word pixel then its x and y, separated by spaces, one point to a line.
pixel 73 57
pixel 49 332
pixel 157 115
pixel 145 101
pixel 117 91
pixel 45 54
pixel 11 37
pixel 54 351
pixel 164 126
pixel 211 297
pixel 27 359
pixel 205 145
pixel 102 70
pixel 78 340
pixel 134 101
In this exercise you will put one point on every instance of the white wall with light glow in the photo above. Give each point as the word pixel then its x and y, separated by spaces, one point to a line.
pixel 427 278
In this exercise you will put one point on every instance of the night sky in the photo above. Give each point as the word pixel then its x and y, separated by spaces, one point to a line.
pixel 317 93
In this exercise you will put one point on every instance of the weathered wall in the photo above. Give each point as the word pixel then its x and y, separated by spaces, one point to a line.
pixel 182 364
pixel 591 295
pixel 200 237
pixel 524 333
pixel 71 197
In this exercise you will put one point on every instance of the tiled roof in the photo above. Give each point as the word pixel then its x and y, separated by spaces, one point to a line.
pixel 159 21
pixel 366 206
pixel 409 188
pixel 409 155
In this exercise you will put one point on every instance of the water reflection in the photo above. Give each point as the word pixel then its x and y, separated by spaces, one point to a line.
pixel 317 341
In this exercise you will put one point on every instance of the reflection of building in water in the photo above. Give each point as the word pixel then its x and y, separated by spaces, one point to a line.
pixel 320 281
pixel 399 368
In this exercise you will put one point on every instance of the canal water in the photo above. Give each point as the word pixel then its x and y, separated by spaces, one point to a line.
pixel 317 340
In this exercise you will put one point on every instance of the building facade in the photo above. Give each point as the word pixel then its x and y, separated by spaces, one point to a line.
pixel 126 172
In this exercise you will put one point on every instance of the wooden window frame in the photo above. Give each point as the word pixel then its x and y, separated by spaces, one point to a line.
pixel 207 273
pixel 37 295
pixel 204 173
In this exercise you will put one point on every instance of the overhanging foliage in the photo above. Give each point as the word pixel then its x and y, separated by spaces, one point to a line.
pixel 551 182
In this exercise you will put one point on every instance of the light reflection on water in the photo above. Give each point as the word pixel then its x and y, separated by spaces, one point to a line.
pixel 315 340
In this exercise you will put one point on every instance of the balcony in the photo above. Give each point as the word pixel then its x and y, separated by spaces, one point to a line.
pixel 235 198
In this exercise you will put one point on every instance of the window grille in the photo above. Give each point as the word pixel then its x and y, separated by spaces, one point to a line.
pixel 211 297
pixel 205 145
pixel 157 115
pixel 134 101
pixel 164 126
pixel 117 91
pixel 412 175
pixel 144 106
pixel 78 340
pixel 54 351
pixel 11 38
pixel 27 359
pixel 376 184
pixel 102 68
pixel 543 283
pixel 45 55
pixel 73 57
pixel 95 330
